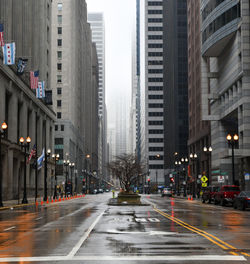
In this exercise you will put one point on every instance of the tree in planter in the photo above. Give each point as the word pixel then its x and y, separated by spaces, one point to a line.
pixel 127 169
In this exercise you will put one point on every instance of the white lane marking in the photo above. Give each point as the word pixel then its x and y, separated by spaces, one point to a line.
pixel 38 218
pixel 142 220
pixel 7 229
pixel 153 220
pixel 85 236
pixel 127 258
pixel 150 233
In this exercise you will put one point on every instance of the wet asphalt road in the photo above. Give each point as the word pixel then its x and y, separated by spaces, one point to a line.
pixel 87 230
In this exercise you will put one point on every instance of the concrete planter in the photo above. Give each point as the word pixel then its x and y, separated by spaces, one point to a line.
pixel 128 198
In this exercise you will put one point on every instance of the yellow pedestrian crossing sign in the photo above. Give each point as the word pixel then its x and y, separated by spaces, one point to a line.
pixel 204 179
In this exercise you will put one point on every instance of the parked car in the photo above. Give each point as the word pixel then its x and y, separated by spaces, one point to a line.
pixel 166 192
pixel 208 193
pixel 226 194
pixel 100 190
pixel 242 201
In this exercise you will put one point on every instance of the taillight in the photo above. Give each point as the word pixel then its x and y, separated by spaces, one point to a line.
pixel 248 199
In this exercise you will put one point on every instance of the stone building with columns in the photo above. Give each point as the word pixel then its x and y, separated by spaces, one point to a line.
pixel 28 24
pixel 225 86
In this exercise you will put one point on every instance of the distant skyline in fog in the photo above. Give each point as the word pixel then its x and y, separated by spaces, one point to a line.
pixel 119 18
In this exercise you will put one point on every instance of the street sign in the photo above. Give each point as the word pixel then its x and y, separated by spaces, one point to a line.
pixel 204 184
pixel 221 179
pixel 247 176
pixel 204 178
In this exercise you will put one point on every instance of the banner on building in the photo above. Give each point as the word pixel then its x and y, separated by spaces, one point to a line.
pixel 9 52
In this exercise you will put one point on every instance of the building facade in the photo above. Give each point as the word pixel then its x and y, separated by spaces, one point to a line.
pixel 225 86
pixel 74 82
pixel 24 114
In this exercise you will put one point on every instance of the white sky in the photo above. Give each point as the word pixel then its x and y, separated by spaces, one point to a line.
pixel 119 18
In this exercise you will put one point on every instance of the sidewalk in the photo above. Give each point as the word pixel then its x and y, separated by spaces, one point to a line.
pixel 10 204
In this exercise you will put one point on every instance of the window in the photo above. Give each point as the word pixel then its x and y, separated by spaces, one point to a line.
pixel 59 78
pixel 155 79
pixel 155 157
pixel 155 71
pixel 62 127
pixel 154 12
pixel 155 3
pixel 155 37
pixel 59 6
pixel 59 19
pixel 155 28
pixel 59 55
pixel 59 90
pixel 59 30
pixel 59 66
pixel 59 103
pixel 154 46
pixel 151 166
pixel 155 96
pixel 155 140
pixel 56 127
pixel 59 115
pixel 155 123
pixel 155 114
pixel 154 20
pixel 59 42
pixel 155 62
pixel 155 105
pixel 155 88
pixel 58 141
pixel 155 131
pixel 155 54
pixel 155 148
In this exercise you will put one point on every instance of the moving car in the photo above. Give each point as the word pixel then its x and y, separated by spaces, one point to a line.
pixel 226 194
pixel 208 193
pixel 166 192
pixel 242 201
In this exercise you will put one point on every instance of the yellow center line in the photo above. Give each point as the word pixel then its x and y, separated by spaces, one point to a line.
pixel 208 236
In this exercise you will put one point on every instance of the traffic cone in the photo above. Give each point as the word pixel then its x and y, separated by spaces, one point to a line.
pixel 191 198
pixel 60 199
pixel 55 199
pixel 36 202
pixel 63 197
pixel 188 198
pixel 47 200
pixel 52 199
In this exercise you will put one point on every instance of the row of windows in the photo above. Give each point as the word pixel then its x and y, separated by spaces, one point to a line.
pixel 211 5
pixel 155 20
pixel 154 12
pixel 156 167
pixel 155 88
pixel 155 28
pixel 155 123
pixel 155 140
pixel 155 79
pixel 155 54
pixel 221 21
pixel 155 45
pixel 57 128
pixel 155 71
pixel 155 37
pixel 155 131
pixel 155 149
pixel 156 3
pixel 155 62
pixel 155 157
pixel 155 105
pixel 155 114
pixel 155 96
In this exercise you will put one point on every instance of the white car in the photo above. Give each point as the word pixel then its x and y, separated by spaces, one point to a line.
pixel 166 192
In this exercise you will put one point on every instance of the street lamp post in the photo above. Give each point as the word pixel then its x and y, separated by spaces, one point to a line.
pixel 25 146
pixel 232 141
pixel 208 152
pixel 71 165
pixel 47 155
pixel 194 158
pixel 55 158
pixel 158 156
pixel 87 157
pixel 185 161
pixel 2 134
pixel 66 164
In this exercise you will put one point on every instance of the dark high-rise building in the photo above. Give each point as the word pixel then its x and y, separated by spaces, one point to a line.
pixel 175 81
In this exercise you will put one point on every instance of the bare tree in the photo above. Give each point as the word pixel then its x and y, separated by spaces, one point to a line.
pixel 127 169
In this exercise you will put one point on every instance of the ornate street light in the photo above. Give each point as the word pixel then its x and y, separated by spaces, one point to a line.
pixel 232 141
pixel 66 164
pixel 194 158
pixel 24 144
pixel 71 165
pixel 2 134
pixel 55 158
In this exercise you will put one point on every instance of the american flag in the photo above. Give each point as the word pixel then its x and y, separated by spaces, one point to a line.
pixel 32 153
pixel 1 35
pixel 34 79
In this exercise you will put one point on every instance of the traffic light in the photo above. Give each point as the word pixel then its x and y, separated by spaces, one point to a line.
pixel 172 180
pixel 148 180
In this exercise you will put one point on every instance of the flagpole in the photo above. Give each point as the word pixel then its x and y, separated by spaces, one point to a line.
pixel 36 162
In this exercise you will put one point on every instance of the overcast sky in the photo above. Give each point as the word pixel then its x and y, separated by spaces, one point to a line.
pixel 118 16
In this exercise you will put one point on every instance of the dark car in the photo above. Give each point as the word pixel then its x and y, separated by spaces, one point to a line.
pixel 242 201
pixel 208 193
pixel 226 194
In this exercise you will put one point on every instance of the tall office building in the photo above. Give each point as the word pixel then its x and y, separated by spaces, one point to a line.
pixel 75 86
pixel 28 24
pixel 96 21
pixel 164 115
pixel 225 86
pixel 199 130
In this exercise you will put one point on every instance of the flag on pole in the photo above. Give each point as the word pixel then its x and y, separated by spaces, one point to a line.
pixel 1 35
pixel 34 79
pixel 22 63
pixel 40 92
pixel 32 153
pixel 40 160
pixel 9 52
